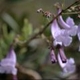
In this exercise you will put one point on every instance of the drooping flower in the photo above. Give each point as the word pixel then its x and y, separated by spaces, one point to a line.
pixel 7 65
pixel 69 66
pixel 52 56
pixel 60 35
pixel 62 55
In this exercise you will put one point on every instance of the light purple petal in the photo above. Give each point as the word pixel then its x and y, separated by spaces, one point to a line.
pixel 65 39
pixel 71 61
pixel 62 23
pixel 11 55
pixel 55 30
pixel 62 65
pixel 70 21
pixel 72 31
pixel 8 62
pixel 70 66
pixel 53 57
pixel 8 70
pixel 62 55
pixel 73 28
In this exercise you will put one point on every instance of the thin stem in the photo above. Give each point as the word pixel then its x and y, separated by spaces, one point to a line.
pixel 42 30
pixel 71 13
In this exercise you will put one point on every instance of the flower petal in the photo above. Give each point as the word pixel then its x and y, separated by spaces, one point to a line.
pixel 55 30
pixel 9 62
pixel 65 39
pixel 11 55
pixel 62 55
pixel 73 28
pixel 70 21
pixel 62 23
pixel 53 57
pixel 71 61
pixel 62 65
pixel 70 66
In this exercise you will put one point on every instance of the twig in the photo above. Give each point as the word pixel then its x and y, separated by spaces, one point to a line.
pixel 28 72
pixel 41 31
pixel 71 13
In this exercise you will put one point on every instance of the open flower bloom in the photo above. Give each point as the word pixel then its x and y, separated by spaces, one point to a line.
pixel 60 35
pixel 7 65
pixel 69 25
pixel 69 66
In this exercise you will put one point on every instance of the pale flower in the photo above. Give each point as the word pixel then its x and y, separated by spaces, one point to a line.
pixel 52 56
pixel 60 35
pixel 7 65
pixel 68 68
pixel 62 54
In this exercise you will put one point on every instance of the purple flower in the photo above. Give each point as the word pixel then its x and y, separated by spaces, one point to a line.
pixel 52 56
pixel 60 35
pixel 7 65
pixel 62 55
pixel 69 66
pixel 61 21
pixel 69 25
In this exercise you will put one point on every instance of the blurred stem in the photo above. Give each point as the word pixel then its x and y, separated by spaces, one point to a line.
pixel 29 72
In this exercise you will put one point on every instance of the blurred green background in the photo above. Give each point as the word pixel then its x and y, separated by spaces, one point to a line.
pixel 20 17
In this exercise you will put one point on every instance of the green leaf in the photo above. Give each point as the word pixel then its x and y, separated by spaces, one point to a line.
pixel 10 21
pixel 27 29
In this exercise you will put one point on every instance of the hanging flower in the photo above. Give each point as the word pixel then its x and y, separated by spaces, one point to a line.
pixel 62 55
pixel 69 66
pixel 60 35
pixel 7 65
pixel 52 56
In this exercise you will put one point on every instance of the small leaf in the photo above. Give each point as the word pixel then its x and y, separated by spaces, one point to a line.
pixel 10 21
pixel 27 29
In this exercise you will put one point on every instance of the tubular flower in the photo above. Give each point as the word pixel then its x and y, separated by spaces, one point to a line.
pixel 7 65
pixel 62 55
pixel 61 21
pixel 60 35
pixel 53 57
pixel 69 66
pixel 69 25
